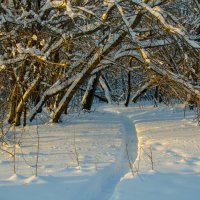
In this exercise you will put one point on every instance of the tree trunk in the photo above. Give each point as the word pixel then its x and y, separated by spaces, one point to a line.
pixel 106 88
pixel 90 92
pixel 141 91
pixel 13 104
pixel 129 90
pixel 156 96
pixel 24 98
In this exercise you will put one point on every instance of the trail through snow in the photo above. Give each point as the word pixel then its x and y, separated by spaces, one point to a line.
pixel 107 179
pixel 104 141
pixel 172 142
pixel 101 139
pixel 112 176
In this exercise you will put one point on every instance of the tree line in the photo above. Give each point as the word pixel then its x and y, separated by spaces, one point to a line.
pixel 53 53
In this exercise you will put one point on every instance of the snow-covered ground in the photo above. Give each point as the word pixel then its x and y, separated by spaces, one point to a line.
pixel 114 153
pixel 168 144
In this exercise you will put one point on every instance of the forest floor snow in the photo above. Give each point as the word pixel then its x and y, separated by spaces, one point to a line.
pixel 114 153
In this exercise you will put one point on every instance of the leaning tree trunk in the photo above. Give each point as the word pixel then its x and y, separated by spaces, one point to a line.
pixel 129 90
pixel 58 99
pixel 101 98
pixel 141 91
pixel 90 92
pixel 14 100
pixel 156 96
pixel 23 100
pixel 106 88
pixel 16 93
pixel 36 96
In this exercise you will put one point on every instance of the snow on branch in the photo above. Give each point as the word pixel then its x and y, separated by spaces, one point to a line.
pixel 158 15
pixel 38 55
pixel 177 78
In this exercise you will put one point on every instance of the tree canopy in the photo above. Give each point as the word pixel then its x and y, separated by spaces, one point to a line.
pixel 50 51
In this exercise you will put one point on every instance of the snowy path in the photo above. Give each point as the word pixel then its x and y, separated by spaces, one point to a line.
pixel 103 184
pixel 173 143
pixel 101 140
pixel 110 177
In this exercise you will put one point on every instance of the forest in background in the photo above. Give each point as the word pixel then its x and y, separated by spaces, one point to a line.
pixel 58 56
